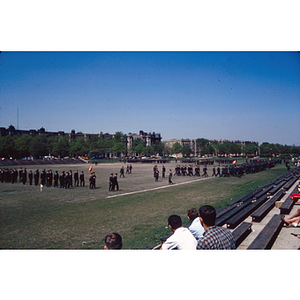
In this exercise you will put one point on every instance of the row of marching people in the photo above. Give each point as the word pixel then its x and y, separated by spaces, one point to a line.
pixel 45 178
pixel 188 171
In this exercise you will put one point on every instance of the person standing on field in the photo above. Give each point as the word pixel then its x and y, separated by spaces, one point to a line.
pixel 56 177
pixel 170 177
pixel 122 172
pixel 111 186
pixel 116 185
pixel 163 171
pixel 156 174
pixel 76 181
pixel 30 176
pixel 82 179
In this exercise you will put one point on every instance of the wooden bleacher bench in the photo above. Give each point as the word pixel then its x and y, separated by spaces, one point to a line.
pixel 223 219
pixel 268 235
pixel 288 204
pixel 289 184
pixel 241 233
pixel 262 211
pixel 277 187
pixel 243 214
pixel 264 191
pixel 232 210
pixel 234 204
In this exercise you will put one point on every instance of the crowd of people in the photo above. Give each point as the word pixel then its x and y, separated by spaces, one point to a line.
pixel 46 178
pixel 225 171
pixel 65 179
pixel 202 234
pixel 183 170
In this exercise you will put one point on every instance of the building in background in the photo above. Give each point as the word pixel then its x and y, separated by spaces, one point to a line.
pixel 72 135
pixel 192 143
pixel 149 138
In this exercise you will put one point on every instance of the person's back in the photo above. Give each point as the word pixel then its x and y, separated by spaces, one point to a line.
pixel 181 239
pixel 195 228
pixel 214 237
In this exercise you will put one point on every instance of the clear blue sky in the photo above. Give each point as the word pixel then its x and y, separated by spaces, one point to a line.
pixel 215 95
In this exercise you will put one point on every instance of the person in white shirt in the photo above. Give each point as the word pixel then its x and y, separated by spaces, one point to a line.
pixel 181 239
pixel 196 228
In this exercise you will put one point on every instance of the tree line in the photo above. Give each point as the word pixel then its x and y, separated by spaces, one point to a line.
pixel 204 147
pixel 37 146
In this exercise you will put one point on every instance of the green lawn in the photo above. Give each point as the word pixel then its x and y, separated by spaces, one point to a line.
pixel 63 219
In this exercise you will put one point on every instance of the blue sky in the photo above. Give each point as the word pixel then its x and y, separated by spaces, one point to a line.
pixel 215 95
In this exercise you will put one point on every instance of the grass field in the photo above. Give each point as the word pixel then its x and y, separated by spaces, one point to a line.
pixel 63 218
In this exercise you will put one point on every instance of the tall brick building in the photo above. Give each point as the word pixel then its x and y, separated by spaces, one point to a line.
pixel 149 138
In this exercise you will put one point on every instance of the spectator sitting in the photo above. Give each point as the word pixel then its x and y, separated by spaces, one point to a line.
pixel 195 228
pixel 296 196
pixel 181 239
pixel 214 237
pixel 113 241
pixel 294 220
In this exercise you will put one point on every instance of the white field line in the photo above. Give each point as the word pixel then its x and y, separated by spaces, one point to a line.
pixel 160 187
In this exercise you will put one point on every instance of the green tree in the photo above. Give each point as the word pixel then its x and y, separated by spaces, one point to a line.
pixel 187 151
pixel 158 148
pixel 265 149
pixel 167 150
pixel 201 146
pixel 176 148
pixel 224 148
pixel 295 150
pixel 137 142
pixel 139 149
pixel 235 149
pixel 119 143
pixel 120 148
pixel 38 147
pixel 108 143
pixel 62 147
pixel 22 145
pixel 94 143
pixel 7 147
pixel 79 147
pixel 149 151
pixel 138 146
pixel 214 148
pixel 210 150
pixel 51 141
pixel 119 137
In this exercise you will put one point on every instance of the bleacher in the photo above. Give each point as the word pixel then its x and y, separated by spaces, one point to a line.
pixel 257 204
